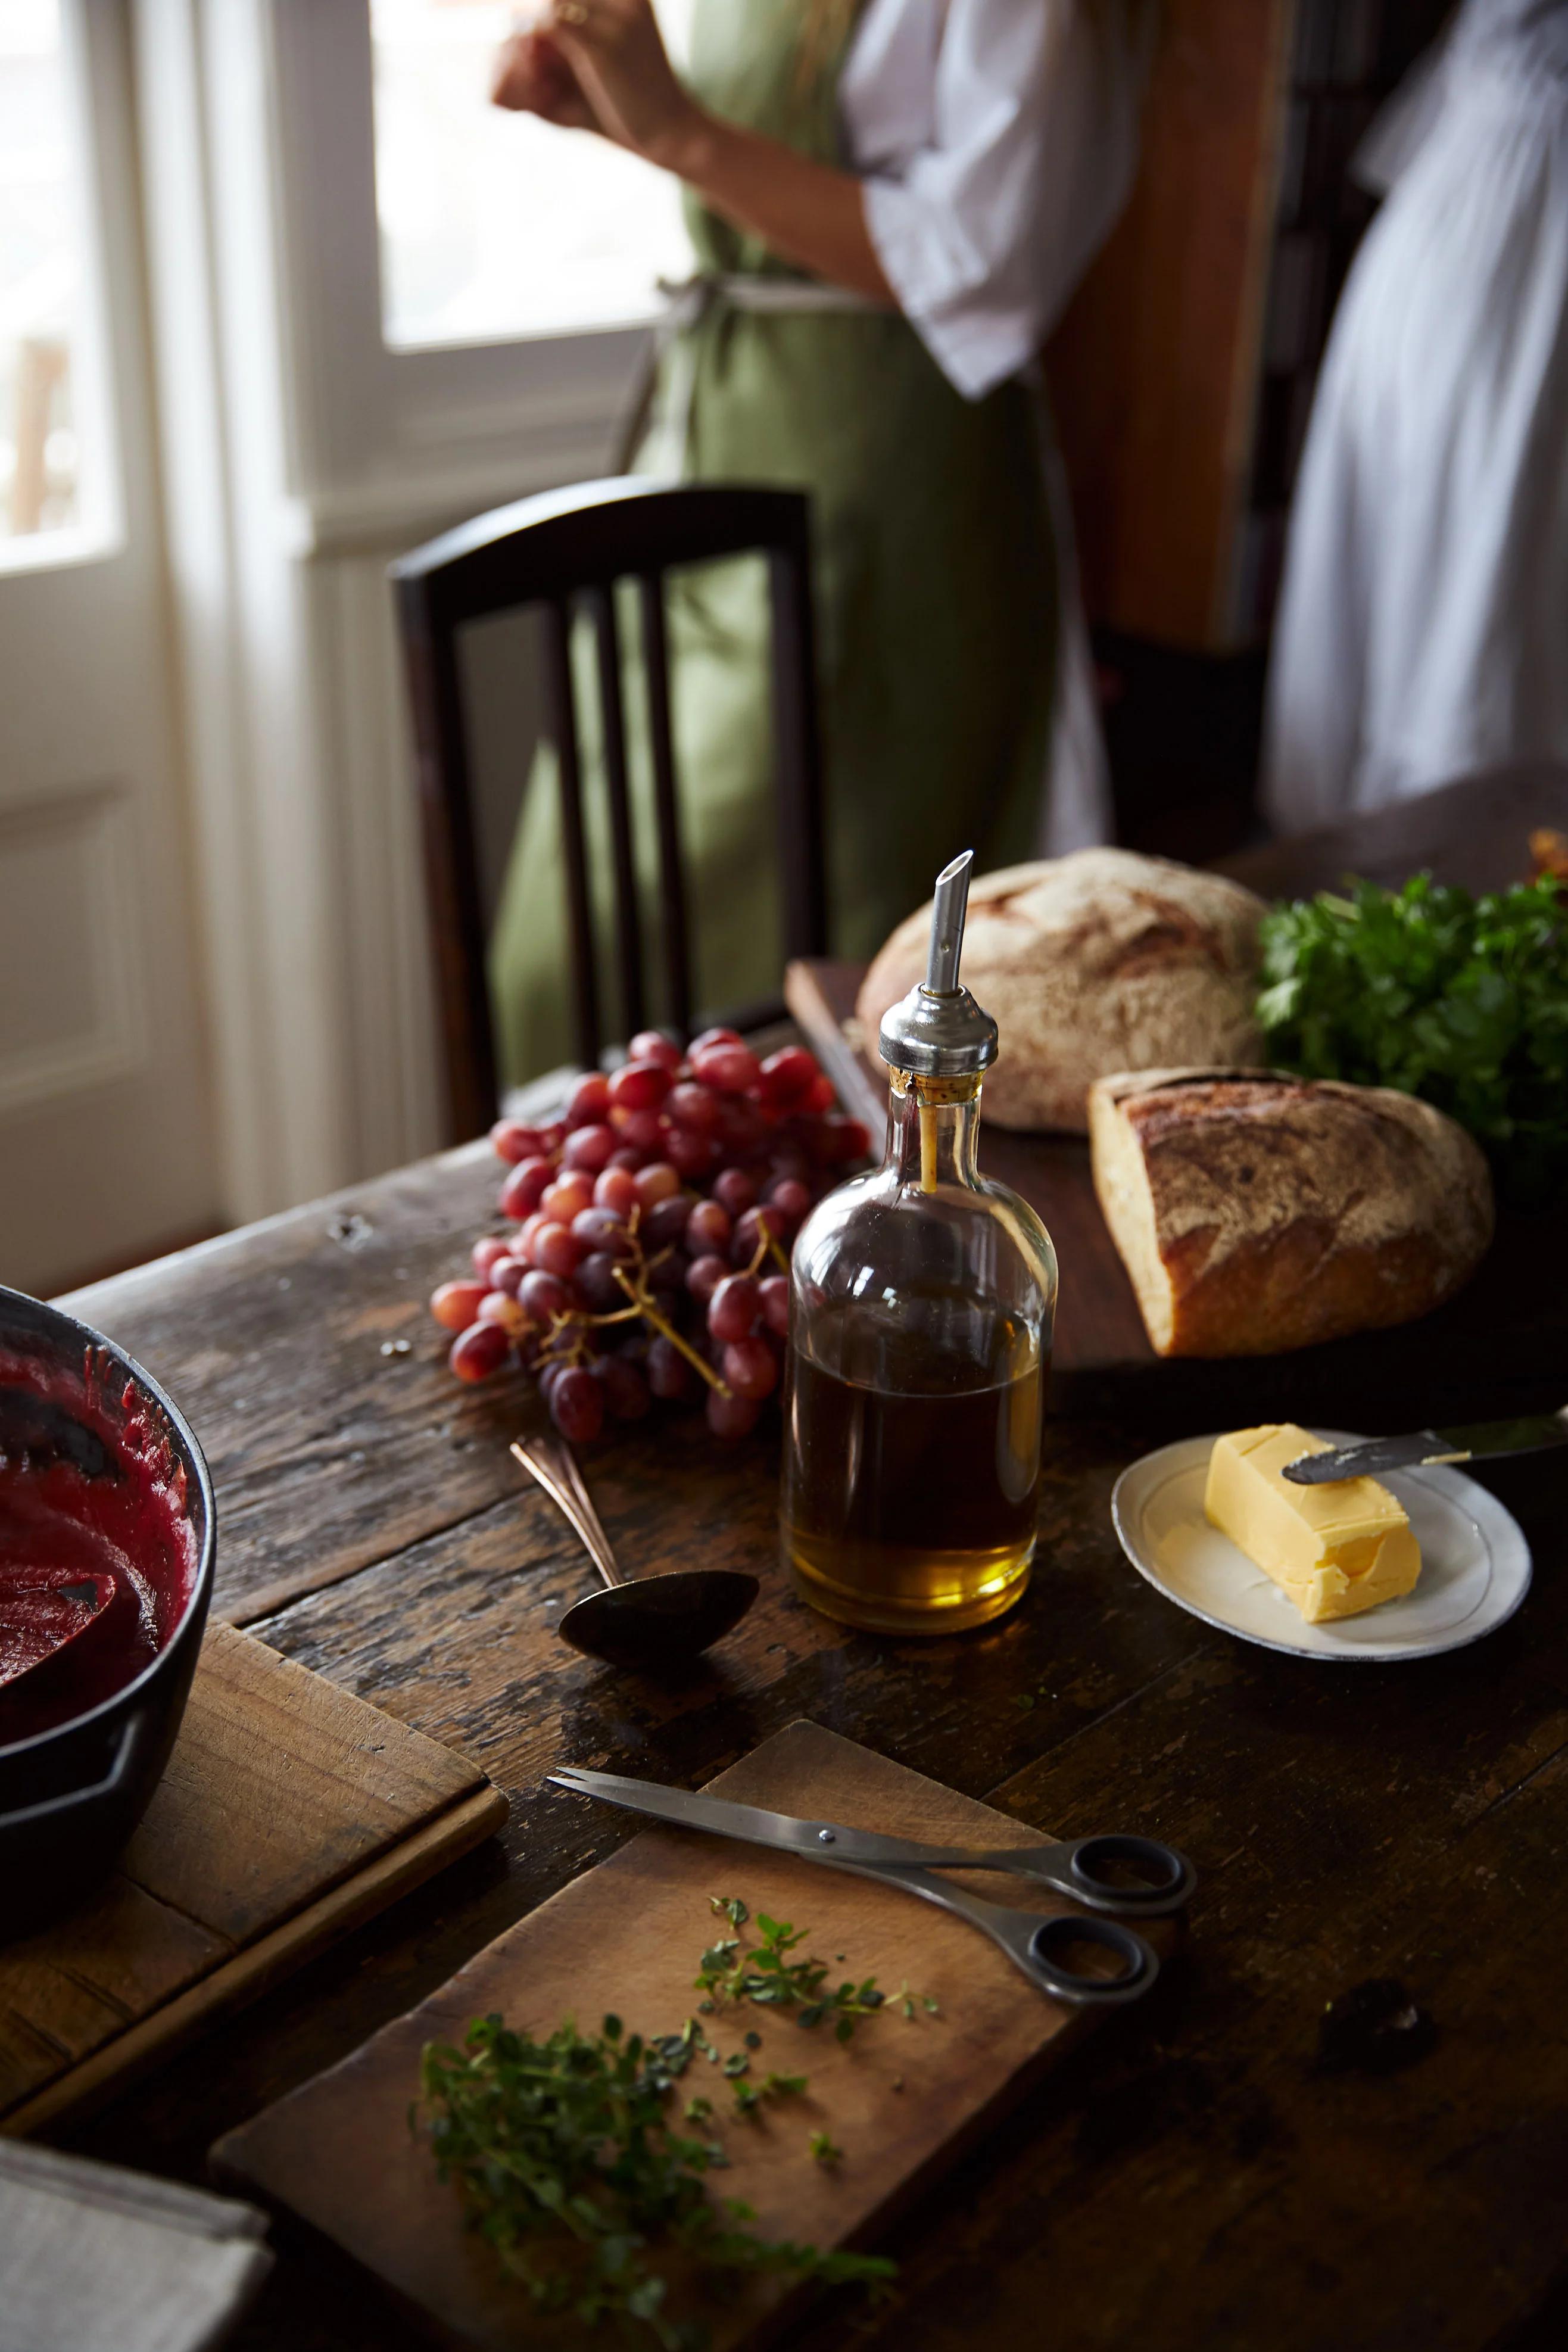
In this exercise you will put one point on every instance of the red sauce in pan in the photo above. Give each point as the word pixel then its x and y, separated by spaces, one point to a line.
pixel 131 1522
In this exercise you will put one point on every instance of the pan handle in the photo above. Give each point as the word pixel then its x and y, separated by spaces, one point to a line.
pixel 132 1740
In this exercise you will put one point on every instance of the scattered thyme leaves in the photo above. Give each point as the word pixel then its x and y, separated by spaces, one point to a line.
pixel 748 2096
pixel 908 2001
pixel 766 1974
pixel 823 2148
pixel 567 2161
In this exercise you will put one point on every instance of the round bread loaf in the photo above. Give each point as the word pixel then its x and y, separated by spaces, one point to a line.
pixel 1100 961
pixel 1257 1211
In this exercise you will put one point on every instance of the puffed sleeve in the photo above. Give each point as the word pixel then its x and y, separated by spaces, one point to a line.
pixel 1028 154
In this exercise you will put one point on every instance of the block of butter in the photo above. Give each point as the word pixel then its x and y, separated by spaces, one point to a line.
pixel 1336 1549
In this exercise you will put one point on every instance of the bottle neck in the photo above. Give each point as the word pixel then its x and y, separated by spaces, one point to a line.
pixel 934 1129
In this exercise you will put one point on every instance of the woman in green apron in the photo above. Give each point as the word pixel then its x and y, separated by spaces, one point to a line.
pixel 890 202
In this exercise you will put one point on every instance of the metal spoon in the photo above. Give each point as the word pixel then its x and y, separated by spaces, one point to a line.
pixel 654 1621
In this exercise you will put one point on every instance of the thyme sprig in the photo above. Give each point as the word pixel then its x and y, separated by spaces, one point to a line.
pixel 766 1973
pixel 572 2168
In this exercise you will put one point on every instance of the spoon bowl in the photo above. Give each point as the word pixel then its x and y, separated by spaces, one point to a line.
pixel 658 1621
pixel 650 1621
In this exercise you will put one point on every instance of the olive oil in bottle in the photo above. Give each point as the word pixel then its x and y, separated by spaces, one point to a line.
pixel 916 1501
pixel 922 1305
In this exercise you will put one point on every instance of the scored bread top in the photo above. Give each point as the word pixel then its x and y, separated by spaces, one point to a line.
pixel 1097 962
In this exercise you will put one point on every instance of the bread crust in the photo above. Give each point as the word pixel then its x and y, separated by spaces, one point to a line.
pixel 1100 961
pixel 1285 1211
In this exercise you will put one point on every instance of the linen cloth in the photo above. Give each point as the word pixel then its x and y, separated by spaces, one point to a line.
pixel 95 2259
pixel 1423 628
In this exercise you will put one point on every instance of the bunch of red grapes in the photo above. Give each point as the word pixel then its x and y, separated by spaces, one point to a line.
pixel 653 1225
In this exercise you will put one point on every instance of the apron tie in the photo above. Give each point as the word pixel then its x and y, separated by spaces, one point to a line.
pixel 687 302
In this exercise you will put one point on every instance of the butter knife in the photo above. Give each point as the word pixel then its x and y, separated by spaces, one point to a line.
pixel 1531 1434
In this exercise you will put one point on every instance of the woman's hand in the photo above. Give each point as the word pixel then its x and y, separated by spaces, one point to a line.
pixel 614 50
pixel 531 77
pixel 600 65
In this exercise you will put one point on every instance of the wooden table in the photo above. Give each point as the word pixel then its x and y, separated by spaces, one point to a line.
pixel 1193 2180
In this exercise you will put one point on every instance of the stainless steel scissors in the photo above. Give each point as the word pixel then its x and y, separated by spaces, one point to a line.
pixel 1044 1948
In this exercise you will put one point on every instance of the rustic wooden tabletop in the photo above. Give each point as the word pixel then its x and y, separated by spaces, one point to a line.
pixel 1195 2177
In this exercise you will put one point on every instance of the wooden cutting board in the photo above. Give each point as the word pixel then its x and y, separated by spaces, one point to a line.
pixel 902 2100
pixel 290 1813
pixel 1498 1348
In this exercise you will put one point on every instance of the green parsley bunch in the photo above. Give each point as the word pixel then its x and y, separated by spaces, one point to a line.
pixel 1460 1000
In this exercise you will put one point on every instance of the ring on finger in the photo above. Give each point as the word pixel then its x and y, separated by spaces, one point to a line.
pixel 573 12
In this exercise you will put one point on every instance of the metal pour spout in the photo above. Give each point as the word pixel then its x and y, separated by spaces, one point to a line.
pixel 938 1031
pixel 952 904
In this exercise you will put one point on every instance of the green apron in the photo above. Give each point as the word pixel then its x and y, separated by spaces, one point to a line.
pixel 934 582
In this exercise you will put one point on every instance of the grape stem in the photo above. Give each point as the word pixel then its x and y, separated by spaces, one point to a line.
pixel 644 1305
pixel 572 1326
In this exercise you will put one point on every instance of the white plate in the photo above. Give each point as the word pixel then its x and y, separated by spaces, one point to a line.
pixel 1475 1562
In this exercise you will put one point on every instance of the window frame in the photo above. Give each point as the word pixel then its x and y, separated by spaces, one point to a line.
pixel 372 429
pixel 97 535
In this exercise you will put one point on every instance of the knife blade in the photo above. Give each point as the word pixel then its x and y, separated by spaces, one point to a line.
pixel 1532 1434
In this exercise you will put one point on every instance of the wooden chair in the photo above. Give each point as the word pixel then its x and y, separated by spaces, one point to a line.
pixel 565 549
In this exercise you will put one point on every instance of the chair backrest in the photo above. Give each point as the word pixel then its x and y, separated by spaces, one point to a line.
pixel 561 552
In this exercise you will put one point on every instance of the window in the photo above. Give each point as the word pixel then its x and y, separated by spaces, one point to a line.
pixel 495 226
pixel 47 429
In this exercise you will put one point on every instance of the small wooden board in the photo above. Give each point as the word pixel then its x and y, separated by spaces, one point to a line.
pixel 902 2100
pixel 1500 1348
pixel 290 1813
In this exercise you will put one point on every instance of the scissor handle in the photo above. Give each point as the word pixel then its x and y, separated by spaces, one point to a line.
pixel 1042 1947
pixel 1169 1878
pixel 1049 1959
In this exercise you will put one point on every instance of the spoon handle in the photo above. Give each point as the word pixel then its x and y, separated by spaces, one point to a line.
pixel 549 1461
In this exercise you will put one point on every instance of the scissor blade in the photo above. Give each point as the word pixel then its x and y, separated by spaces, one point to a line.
pixel 689 1812
pixel 815 1841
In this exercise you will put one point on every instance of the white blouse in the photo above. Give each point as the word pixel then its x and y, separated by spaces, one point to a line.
pixel 998 140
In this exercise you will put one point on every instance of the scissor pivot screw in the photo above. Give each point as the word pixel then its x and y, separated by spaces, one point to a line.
pixel 826 1837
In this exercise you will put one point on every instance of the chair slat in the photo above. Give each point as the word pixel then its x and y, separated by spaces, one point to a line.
pixel 557 622
pixel 601 603
pixel 451 864
pixel 547 552
pixel 672 870
pixel 798 752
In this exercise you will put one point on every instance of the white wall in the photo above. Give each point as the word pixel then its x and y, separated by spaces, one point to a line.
pixel 301 457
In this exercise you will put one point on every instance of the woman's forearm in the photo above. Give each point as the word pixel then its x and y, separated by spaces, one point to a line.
pixel 605 62
pixel 811 213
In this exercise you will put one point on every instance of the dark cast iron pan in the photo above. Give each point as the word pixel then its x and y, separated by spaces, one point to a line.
pixel 70 1797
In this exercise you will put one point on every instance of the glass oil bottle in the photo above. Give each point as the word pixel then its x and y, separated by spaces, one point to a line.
pixel 921 1312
